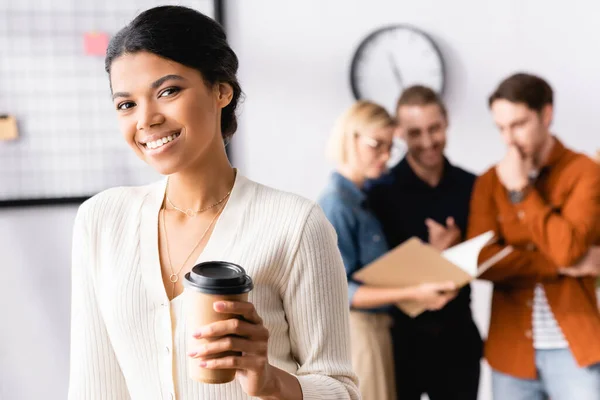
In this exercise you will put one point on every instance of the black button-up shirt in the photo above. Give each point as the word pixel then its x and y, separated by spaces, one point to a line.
pixel 402 202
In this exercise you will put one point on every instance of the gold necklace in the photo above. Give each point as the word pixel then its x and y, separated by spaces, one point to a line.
pixel 174 277
pixel 191 213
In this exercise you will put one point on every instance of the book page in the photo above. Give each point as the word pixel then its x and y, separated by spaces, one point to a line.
pixel 465 255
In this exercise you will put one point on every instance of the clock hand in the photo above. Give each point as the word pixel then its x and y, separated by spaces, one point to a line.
pixel 396 71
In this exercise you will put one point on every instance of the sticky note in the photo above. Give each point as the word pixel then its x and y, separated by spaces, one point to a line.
pixel 8 127
pixel 95 43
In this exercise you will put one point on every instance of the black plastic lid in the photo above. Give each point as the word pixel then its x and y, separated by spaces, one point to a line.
pixel 218 277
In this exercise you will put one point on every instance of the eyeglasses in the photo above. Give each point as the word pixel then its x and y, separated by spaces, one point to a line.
pixel 379 146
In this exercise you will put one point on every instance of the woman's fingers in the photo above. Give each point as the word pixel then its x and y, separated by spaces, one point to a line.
pixel 232 326
pixel 444 286
pixel 256 363
pixel 230 343
pixel 242 308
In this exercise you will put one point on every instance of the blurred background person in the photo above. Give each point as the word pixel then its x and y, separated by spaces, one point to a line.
pixel 597 158
pixel 360 145
pixel 424 195
pixel 542 199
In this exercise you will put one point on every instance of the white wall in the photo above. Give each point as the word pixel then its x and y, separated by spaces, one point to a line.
pixel 294 69
pixel 295 59
pixel 35 245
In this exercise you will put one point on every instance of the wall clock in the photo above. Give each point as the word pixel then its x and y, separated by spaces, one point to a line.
pixel 392 58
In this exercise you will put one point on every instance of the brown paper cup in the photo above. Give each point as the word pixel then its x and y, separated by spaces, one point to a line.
pixel 206 284
pixel 200 312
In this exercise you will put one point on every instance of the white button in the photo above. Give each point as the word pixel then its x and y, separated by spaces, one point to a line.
pixel 521 214
pixel 376 238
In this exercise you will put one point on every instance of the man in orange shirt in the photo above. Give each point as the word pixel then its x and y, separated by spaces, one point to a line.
pixel 543 200
pixel 597 158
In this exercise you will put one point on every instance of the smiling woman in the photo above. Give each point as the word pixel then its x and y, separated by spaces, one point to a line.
pixel 175 91
pixel 178 104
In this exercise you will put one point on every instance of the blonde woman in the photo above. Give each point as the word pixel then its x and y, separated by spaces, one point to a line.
pixel 360 146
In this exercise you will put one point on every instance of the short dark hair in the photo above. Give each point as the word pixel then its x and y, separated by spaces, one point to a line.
pixel 528 89
pixel 187 37
pixel 419 95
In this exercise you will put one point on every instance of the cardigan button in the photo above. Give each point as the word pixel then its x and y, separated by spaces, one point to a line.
pixel 528 334
pixel 521 214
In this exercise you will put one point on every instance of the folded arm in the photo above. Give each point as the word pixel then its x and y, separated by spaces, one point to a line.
pixel 566 235
pixel 520 264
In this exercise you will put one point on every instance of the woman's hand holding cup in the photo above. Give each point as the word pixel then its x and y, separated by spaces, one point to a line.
pixel 244 340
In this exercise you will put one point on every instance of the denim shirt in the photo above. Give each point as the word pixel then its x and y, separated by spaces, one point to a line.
pixel 360 236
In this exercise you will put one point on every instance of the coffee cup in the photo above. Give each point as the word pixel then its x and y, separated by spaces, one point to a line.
pixel 205 284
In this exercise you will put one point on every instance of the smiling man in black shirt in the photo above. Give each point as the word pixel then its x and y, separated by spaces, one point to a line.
pixel 438 352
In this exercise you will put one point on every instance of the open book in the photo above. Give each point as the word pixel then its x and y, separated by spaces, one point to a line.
pixel 414 262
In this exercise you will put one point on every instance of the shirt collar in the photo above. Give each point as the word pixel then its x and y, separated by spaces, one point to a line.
pixel 558 150
pixel 404 172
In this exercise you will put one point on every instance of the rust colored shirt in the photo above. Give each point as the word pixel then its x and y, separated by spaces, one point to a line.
pixel 554 226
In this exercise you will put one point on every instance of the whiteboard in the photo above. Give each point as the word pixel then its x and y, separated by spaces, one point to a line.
pixel 69 145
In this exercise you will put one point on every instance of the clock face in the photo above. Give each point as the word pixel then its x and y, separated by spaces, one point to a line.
pixel 392 59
